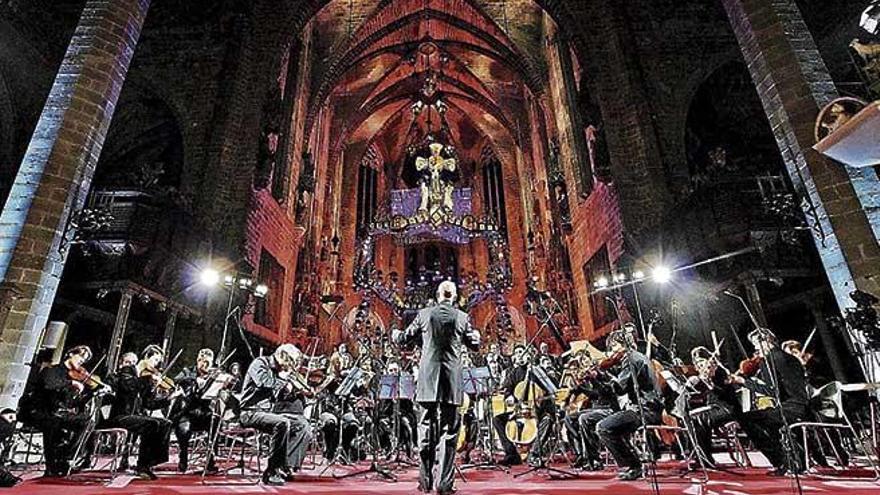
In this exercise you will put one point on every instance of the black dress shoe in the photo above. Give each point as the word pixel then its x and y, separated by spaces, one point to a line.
pixel 272 479
pixel 447 491
pixel 146 474
pixel 630 474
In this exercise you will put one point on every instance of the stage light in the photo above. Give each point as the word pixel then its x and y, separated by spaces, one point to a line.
pixel 209 277
pixel 602 282
pixel 638 274
pixel 261 290
pixel 229 280
pixel 661 274
pixel 619 278
pixel 245 283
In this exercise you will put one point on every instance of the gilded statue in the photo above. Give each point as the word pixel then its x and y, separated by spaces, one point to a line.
pixel 436 191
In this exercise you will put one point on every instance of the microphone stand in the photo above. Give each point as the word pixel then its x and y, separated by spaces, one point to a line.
pixel 634 378
pixel 787 440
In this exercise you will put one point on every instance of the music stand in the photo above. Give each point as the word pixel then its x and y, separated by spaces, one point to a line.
pixel 395 387
pixel 343 392
pixel 539 376
pixel 476 381
pixel 374 467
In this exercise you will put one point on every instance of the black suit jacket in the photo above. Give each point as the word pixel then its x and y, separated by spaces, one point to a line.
pixel 442 330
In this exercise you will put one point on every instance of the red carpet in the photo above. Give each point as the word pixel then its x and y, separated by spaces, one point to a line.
pixel 735 482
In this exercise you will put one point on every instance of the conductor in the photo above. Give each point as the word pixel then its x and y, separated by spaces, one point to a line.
pixel 441 331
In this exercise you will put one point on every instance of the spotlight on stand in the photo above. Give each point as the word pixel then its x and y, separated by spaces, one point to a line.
pixel 870 20
pixel 602 282
pixel 245 283
pixel 261 290
pixel 638 274
pixel 209 277
pixel 661 275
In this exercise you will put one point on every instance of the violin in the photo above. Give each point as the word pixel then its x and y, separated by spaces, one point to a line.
pixel 750 366
pixel 163 382
pixel 91 381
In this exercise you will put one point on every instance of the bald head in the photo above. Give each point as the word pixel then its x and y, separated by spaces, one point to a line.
pixel 446 292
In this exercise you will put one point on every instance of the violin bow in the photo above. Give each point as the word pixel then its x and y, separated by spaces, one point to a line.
pixel 95 368
pixel 809 339
pixel 165 371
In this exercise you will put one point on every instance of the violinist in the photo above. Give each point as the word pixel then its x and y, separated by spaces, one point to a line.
pixel 138 392
pixel 266 378
pixel 636 379
pixel 58 401
pixel 765 426
pixel 192 413
pixel 721 404
pixel 581 424
pixel 291 403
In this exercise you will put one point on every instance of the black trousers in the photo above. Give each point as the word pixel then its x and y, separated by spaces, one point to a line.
pixel 585 432
pixel 191 422
pixel 765 428
pixel 155 434
pixel 614 432
pixel 61 431
pixel 705 423
pixel 330 428
pixel 290 435
pixel 438 430
pixel 545 412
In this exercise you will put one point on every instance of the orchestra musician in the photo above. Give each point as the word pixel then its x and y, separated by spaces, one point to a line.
pixel 192 413
pixel 519 361
pixel 264 381
pixel 291 403
pixel 140 389
pixel 636 379
pixel 544 405
pixel 404 415
pixel 713 383
pixel 57 408
pixel 581 424
pixel 764 426
pixel 442 330
pixel 341 361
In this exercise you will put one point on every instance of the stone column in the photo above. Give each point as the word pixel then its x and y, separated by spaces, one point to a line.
pixel 793 84
pixel 55 176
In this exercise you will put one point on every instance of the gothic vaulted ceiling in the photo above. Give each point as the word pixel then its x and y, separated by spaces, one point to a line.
pixel 374 56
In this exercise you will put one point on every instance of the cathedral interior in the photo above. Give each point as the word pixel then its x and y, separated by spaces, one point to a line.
pixel 238 174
